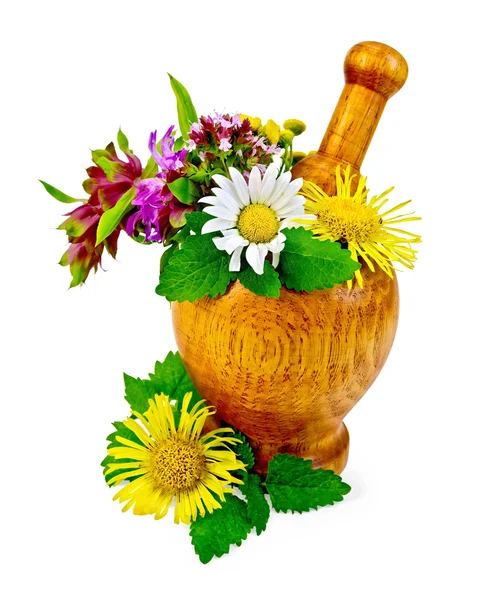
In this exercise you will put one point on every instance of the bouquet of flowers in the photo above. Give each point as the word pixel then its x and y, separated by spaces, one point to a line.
pixel 219 194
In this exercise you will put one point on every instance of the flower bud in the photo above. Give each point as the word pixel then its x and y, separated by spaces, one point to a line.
pixel 296 126
pixel 286 137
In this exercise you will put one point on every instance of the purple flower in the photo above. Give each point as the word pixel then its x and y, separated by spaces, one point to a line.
pixel 168 160
pixel 225 144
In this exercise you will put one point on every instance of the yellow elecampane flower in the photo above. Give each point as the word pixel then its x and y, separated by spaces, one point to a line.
pixel 353 220
pixel 174 462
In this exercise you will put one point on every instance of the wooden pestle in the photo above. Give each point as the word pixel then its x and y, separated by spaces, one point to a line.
pixel 373 73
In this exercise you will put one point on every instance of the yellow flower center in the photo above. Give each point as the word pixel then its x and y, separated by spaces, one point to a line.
pixel 258 223
pixel 347 221
pixel 177 464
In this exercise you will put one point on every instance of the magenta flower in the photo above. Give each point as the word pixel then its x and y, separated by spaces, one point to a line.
pixel 159 212
pixel 108 180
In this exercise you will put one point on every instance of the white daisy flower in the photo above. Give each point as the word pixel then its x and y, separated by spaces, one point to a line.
pixel 252 215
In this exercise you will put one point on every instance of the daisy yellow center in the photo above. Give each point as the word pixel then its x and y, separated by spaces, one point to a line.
pixel 258 223
pixel 177 464
pixel 349 222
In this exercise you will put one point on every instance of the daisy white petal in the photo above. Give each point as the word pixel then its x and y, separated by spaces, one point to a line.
pixel 280 186
pixel 253 258
pixel 268 184
pixel 255 185
pixel 240 185
pixel 217 225
pixel 291 191
pixel 221 211
pixel 224 197
pixel 275 259
pixel 235 260
pixel 233 242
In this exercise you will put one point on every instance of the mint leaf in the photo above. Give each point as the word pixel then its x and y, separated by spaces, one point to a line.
pixel 244 451
pixel 267 284
pixel 112 217
pixel 58 195
pixel 123 431
pixel 138 392
pixel 309 264
pixel 196 220
pixel 258 508
pixel 171 378
pixel 196 270
pixel 293 485
pixel 213 534
pixel 166 256
pixel 185 108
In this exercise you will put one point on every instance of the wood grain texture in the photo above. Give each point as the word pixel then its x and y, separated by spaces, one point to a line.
pixel 373 73
pixel 286 371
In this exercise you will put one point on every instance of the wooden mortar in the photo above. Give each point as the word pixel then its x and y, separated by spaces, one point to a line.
pixel 285 371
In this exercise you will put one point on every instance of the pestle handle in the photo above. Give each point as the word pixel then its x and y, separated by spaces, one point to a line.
pixel 373 73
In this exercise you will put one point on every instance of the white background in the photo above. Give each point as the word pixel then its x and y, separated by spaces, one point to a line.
pixel 421 521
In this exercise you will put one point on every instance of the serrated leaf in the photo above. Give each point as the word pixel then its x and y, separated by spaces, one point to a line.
pixel 213 534
pixel 267 284
pixel 186 112
pixel 196 221
pixel 309 264
pixel 171 378
pixel 123 142
pixel 196 270
pixel 294 485
pixel 258 508
pixel 138 392
pixel 150 170
pixel 58 195
pixel 243 450
pixel 166 256
pixel 124 432
pixel 184 190
pixel 112 217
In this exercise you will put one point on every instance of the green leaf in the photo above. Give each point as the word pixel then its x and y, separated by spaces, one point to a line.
pixel 166 256
pixel 258 508
pixel 110 167
pixel 184 190
pixel 112 217
pixel 123 142
pixel 150 170
pixel 309 264
pixel 267 284
pixel 196 220
pixel 58 195
pixel 185 109
pixel 138 392
pixel 123 431
pixel 196 270
pixel 244 451
pixel 179 144
pixel 171 378
pixel 213 534
pixel 293 485
pixel 182 234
